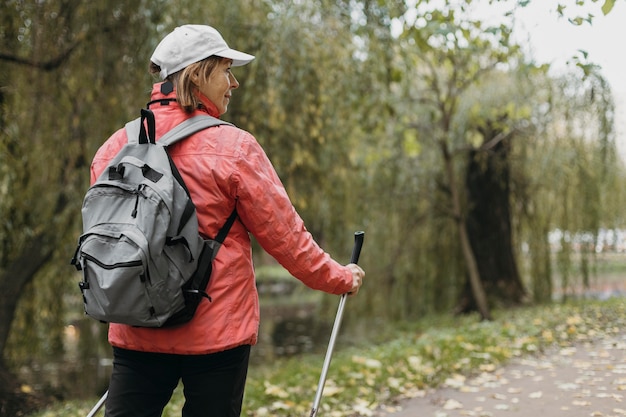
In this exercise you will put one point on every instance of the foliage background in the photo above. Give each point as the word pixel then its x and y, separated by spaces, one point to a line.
pixel 354 119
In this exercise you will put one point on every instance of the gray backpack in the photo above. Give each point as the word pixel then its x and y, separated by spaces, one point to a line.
pixel 142 259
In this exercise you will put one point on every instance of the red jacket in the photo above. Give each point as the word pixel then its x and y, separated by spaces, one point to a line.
pixel 223 166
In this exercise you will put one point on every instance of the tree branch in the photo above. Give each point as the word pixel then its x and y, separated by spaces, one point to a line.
pixel 48 65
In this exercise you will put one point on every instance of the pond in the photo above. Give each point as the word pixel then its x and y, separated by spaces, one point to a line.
pixel 288 327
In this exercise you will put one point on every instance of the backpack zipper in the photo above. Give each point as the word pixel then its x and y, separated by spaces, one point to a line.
pixel 128 264
pixel 138 192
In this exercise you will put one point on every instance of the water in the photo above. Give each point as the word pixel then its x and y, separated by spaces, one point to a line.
pixel 84 371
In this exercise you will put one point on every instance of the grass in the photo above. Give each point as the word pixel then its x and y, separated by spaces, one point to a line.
pixel 420 355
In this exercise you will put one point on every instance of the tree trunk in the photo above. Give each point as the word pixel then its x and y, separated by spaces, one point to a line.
pixel 15 276
pixel 15 401
pixel 489 221
pixel 475 284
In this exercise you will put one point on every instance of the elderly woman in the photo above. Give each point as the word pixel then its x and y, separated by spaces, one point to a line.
pixel 224 168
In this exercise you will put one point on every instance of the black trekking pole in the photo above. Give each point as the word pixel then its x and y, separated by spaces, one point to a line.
pixel 98 405
pixel 356 251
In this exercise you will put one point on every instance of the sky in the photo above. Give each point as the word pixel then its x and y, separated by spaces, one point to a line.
pixel 550 38
pixel 554 40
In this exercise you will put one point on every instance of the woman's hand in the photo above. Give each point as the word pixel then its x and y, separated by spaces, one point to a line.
pixel 357 278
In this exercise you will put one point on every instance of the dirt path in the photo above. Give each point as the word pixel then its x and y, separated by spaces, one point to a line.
pixel 586 380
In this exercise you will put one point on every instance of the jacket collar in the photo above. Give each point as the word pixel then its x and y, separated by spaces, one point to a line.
pixel 163 93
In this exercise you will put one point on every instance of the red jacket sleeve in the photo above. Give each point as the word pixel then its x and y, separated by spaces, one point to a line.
pixel 267 212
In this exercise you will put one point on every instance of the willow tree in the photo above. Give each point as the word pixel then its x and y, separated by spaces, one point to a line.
pixel 314 97
pixel 573 179
pixel 446 52
pixel 495 118
pixel 64 88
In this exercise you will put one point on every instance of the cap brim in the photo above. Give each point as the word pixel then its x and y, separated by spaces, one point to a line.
pixel 239 58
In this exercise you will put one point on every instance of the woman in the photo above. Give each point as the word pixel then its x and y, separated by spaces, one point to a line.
pixel 224 167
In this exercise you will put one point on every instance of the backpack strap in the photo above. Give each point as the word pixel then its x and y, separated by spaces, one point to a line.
pixel 221 235
pixel 179 132
pixel 189 127
pixel 209 252
pixel 132 130
pixel 136 133
pixel 136 129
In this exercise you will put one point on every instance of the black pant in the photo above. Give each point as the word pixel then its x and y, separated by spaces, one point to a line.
pixel 142 383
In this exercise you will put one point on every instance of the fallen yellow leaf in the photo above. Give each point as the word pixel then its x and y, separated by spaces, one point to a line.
pixel 452 405
pixel 332 390
pixel 275 390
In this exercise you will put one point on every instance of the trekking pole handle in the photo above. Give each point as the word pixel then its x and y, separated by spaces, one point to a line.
pixel 358 244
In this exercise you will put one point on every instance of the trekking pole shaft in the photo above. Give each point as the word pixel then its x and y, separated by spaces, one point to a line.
pixel 356 251
pixel 329 352
pixel 98 405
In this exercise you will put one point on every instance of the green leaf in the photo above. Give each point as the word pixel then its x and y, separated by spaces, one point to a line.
pixel 608 6
pixel 576 21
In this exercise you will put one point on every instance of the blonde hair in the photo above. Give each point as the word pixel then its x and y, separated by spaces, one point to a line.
pixel 183 81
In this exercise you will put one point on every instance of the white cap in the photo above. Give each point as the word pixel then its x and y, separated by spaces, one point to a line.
pixel 192 43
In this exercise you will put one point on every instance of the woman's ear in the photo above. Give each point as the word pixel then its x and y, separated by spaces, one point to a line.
pixel 195 77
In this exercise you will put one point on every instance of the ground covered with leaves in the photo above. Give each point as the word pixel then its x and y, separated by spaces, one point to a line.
pixel 586 379
pixel 419 355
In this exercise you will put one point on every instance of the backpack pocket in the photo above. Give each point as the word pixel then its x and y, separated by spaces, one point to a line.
pixel 115 290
